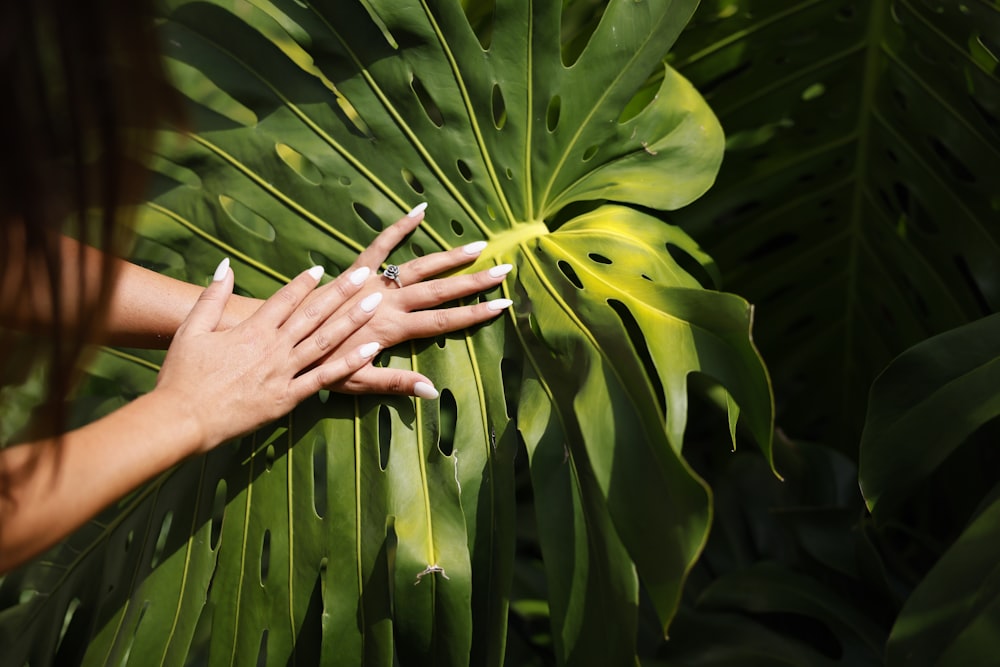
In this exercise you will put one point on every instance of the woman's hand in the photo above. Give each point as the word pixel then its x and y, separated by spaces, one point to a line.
pixel 409 311
pixel 235 380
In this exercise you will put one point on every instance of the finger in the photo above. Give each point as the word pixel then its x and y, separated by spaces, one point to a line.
pixel 373 380
pixel 283 303
pixel 323 302
pixel 432 293
pixel 390 237
pixel 437 263
pixel 334 332
pixel 330 373
pixel 207 312
pixel 430 323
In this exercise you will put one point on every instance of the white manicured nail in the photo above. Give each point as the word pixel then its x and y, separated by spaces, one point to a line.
pixel 417 210
pixel 501 270
pixel 316 272
pixel 358 276
pixel 474 248
pixel 221 270
pixel 368 350
pixel 425 390
pixel 499 304
pixel 369 303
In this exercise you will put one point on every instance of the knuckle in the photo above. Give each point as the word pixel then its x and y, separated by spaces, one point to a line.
pixel 396 383
pixel 442 320
pixel 312 312
pixel 321 340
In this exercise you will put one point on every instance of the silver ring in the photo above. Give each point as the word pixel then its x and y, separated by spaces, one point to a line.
pixel 392 273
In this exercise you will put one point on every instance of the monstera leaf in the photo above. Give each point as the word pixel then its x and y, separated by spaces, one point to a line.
pixel 856 205
pixel 368 530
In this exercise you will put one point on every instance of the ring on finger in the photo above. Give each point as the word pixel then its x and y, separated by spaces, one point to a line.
pixel 392 273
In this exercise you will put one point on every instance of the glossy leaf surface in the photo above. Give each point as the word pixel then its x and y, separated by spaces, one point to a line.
pixel 363 531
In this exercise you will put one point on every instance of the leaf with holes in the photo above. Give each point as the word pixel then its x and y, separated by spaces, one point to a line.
pixel 359 531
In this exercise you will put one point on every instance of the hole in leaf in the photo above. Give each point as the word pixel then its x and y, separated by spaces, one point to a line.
pixel 384 436
pixel 638 341
pixel 269 455
pixel 161 539
pixel 590 152
pixel 379 23
pixel 899 98
pixel 262 651
pixel 244 217
pixel 955 166
pixel 491 212
pixel 447 421
pixel 645 277
pixel 412 181
pixel 579 21
pixel 510 375
pixel 299 163
pixel 989 117
pixel 509 173
pixel 128 540
pixel 317 258
pixel 970 280
pixel 265 556
pixel 499 107
pixel 771 245
pixel 464 170
pixel 846 13
pixel 319 476
pixel 352 120
pixel 457 227
pixel 691 266
pixel 417 249
pixel 600 259
pixel 368 216
pixel 552 113
pixel 68 618
pixel 344 180
pixel 430 107
pixel 481 16
pixel 218 513
pixel 570 274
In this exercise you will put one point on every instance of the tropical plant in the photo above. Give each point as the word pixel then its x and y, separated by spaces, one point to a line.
pixel 365 530
pixel 856 209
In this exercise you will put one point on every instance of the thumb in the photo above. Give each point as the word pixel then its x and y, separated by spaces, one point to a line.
pixel 206 314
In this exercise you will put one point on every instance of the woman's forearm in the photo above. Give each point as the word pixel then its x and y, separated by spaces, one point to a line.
pixel 52 487
pixel 147 308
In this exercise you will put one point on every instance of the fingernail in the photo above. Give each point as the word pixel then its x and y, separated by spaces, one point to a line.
pixel 499 304
pixel 368 350
pixel 417 210
pixel 221 270
pixel 474 248
pixel 501 270
pixel 369 302
pixel 316 272
pixel 358 276
pixel 425 390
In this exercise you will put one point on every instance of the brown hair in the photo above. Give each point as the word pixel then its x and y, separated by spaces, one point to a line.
pixel 83 90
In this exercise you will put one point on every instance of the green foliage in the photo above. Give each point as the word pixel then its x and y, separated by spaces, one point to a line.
pixel 365 530
pixel 856 208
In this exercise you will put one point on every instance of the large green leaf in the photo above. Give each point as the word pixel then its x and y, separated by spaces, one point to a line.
pixel 857 201
pixel 924 406
pixel 951 617
pixel 359 531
